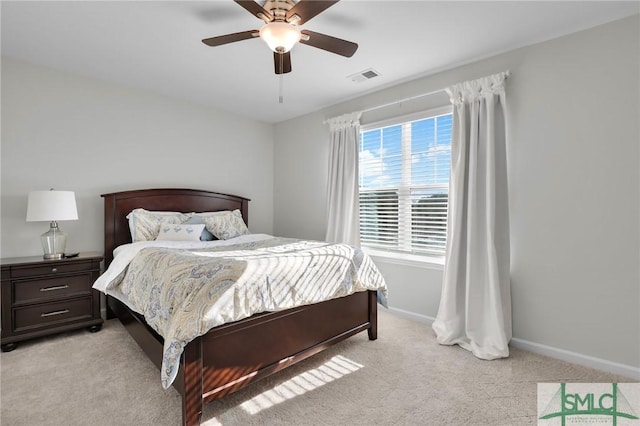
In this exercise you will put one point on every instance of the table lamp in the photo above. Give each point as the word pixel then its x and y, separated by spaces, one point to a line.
pixel 52 206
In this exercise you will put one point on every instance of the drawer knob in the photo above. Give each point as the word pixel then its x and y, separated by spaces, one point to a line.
pixel 50 314
pixel 57 287
pixel 54 269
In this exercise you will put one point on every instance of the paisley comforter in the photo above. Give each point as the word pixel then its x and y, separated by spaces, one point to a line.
pixel 185 290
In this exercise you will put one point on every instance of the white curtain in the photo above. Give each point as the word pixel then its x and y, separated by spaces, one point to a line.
pixel 343 210
pixel 475 307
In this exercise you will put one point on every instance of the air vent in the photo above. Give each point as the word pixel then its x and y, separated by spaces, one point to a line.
pixel 365 75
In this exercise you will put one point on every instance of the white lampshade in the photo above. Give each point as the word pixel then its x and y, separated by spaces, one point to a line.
pixel 52 206
pixel 280 36
pixel 47 206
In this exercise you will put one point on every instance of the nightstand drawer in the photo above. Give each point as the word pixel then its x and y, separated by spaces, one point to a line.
pixel 51 288
pixel 50 313
pixel 31 271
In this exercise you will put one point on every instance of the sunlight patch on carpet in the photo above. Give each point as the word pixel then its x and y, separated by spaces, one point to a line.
pixel 335 368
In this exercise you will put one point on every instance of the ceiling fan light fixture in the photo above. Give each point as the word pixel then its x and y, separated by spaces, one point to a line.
pixel 280 36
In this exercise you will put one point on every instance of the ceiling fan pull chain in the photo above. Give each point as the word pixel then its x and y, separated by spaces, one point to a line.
pixel 281 82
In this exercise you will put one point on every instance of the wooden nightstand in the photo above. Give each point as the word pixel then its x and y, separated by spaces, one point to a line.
pixel 42 297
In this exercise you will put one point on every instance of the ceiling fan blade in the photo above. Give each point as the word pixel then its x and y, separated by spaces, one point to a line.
pixel 307 9
pixel 328 43
pixel 282 62
pixel 230 38
pixel 255 9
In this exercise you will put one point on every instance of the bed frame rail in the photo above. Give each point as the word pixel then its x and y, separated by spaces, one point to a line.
pixel 234 355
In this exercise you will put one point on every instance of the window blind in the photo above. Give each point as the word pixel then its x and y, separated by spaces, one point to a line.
pixel 404 181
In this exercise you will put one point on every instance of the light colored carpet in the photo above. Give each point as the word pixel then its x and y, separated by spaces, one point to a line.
pixel 403 378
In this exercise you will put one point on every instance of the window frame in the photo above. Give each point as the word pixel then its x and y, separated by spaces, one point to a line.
pixel 422 259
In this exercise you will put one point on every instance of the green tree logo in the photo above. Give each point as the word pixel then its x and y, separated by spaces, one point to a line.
pixel 564 404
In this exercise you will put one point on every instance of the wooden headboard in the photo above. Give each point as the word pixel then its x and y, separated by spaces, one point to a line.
pixel 118 204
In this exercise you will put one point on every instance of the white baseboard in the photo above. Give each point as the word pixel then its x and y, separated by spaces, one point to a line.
pixel 412 315
pixel 578 358
pixel 562 354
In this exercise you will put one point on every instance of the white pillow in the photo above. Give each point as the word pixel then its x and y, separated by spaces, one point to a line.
pixel 197 220
pixel 225 224
pixel 144 225
pixel 174 232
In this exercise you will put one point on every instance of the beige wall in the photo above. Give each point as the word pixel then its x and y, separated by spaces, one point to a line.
pixel 574 187
pixel 68 132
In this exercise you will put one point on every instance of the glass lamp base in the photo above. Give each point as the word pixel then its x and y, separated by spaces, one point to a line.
pixel 54 242
pixel 53 256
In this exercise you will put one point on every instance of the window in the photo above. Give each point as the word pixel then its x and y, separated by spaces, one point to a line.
pixel 404 183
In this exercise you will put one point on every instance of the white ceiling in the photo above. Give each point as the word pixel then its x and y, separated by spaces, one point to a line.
pixel 156 45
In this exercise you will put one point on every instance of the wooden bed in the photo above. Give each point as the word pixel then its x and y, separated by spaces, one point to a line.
pixel 234 355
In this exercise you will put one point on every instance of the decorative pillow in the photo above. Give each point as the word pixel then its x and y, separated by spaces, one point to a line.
pixel 145 225
pixel 225 224
pixel 197 220
pixel 172 232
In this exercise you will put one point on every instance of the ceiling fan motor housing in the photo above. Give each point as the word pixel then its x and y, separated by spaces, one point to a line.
pixel 279 9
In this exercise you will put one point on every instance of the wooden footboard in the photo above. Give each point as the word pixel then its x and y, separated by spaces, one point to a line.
pixel 232 356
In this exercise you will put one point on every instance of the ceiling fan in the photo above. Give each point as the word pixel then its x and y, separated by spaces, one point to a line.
pixel 281 33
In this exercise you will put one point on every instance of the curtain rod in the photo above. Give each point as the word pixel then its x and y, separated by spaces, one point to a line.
pixel 396 102
pixel 507 74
